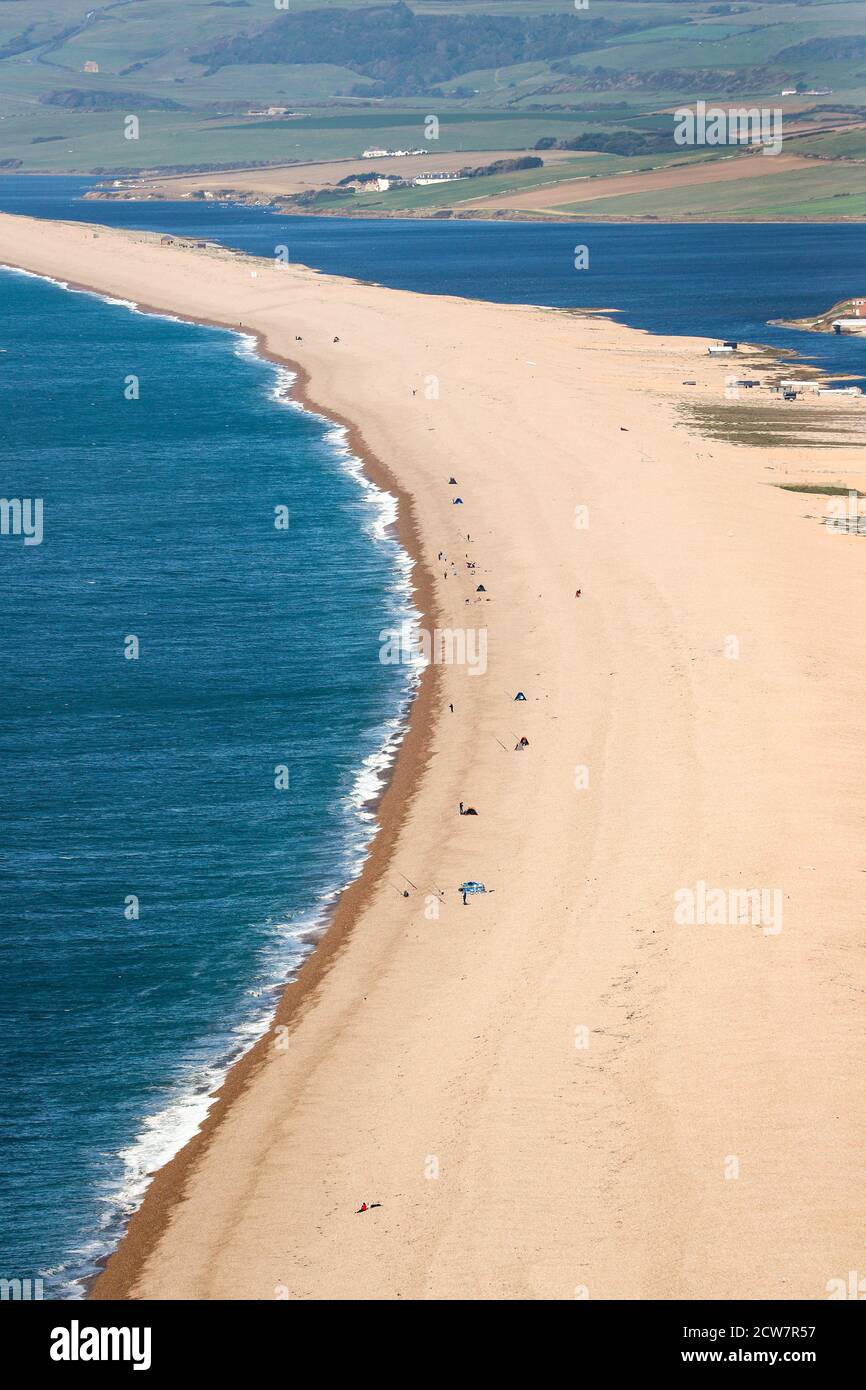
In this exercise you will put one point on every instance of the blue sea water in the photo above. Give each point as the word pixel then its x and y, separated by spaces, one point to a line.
pixel 154 777
pixel 717 281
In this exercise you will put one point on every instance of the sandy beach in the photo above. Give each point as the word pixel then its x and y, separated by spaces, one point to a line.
pixel 557 1090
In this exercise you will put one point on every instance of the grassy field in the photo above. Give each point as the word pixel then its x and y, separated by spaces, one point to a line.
pixel 830 190
pixel 780 425
pixel 625 70
pixel 95 140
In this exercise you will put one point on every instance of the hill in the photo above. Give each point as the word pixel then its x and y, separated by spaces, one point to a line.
pixel 405 53
pixel 231 83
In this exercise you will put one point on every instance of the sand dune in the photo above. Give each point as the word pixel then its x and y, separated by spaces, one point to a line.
pixel 556 1090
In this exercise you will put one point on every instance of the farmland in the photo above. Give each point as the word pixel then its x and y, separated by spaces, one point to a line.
pixel 223 84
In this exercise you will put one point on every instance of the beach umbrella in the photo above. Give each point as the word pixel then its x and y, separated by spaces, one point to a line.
pixel 472 886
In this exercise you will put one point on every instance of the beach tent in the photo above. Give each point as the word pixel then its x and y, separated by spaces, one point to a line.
pixel 458 502
pixel 520 695
pixel 471 886
pixel 452 480
pixel 481 589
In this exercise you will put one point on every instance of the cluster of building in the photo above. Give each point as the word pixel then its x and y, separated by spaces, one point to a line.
pixel 384 183
pixel 790 389
pixel 854 321
pixel 376 153
pixel 187 243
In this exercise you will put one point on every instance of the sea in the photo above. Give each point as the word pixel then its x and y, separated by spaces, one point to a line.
pixel 196 724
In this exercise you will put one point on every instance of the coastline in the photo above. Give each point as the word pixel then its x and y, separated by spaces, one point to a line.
pixel 144 1228
pixel 541 216
pixel 141 1231
pixel 518 1115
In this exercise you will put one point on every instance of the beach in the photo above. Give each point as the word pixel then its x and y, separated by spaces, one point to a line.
pixel 557 1089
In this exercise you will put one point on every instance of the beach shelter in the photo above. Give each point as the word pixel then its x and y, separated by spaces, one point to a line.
pixel 520 695
pixel 452 480
pixel 458 502
pixel 472 886
pixel 481 589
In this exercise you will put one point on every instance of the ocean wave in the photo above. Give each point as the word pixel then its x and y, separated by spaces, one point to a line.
pixel 173 1123
pixel 131 304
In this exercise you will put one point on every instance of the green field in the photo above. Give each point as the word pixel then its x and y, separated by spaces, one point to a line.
pixel 617 66
pixel 95 140
pixel 826 191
